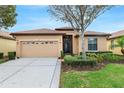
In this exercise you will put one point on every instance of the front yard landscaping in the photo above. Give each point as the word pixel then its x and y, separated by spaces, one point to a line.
pixel 109 77
pixel 11 56
pixel 100 70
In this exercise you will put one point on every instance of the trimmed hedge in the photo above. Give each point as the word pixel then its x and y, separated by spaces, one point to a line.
pixel 92 59
pixel 113 57
pixel 98 52
pixel 98 57
pixel 109 57
pixel 78 61
pixel 101 52
pixel 1 55
pixel 11 55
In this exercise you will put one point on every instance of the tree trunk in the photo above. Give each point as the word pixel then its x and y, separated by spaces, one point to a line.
pixel 122 51
pixel 83 47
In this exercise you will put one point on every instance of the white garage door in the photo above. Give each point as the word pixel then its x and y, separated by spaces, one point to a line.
pixel 39 49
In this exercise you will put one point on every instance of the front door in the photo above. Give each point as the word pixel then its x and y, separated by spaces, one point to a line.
pixel 67 44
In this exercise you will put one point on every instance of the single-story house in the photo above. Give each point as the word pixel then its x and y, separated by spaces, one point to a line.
pixel 112 40
pixel 7 43
pixel 47 42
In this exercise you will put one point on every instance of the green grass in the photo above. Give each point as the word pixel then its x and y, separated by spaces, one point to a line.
pixel 112 76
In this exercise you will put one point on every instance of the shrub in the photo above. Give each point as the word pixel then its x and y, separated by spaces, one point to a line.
pixel 106 52
pixel 68 59
pixel 91 55
pixel 78 56
pixel 101 52
pixel 78 61
pixel 98 57
pixel 1 55
pixel 113 58
pixel 80 53
pixel 62 54
pixel 11 55
pixel 101 57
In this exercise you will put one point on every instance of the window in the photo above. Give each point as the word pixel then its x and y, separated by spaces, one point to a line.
pixel 37 42
pixel 33 42
pixel 42 42
pixel 51 42
pixel 46 42
pixel 92 43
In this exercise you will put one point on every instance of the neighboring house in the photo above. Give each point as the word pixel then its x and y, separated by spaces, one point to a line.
pixel 47 42
pixel 112 40
pixel 7 43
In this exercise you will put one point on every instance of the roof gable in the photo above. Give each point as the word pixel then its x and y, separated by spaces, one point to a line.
pixel 117 34
pixel 6 35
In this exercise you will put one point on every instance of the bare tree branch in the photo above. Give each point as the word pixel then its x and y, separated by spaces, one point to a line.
pixel 79 16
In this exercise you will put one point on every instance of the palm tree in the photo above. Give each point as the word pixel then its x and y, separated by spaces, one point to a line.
pixel 120 43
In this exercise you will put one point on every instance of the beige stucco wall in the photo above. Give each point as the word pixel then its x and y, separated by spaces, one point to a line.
pixel 101 43
pixel 109 45
pixel 76 41
pixel 115 50
pixel 7 45
pixel 38 38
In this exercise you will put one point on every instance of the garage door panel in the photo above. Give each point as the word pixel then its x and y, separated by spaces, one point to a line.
pixel 39 49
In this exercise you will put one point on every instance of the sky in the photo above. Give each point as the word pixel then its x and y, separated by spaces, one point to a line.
pixel 37 17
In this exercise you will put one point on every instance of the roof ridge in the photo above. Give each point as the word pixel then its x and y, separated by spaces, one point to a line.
pixel 97 32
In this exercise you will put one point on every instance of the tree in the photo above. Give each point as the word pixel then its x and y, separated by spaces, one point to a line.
pixel 7 16
pixel 120 43
pixel 78 16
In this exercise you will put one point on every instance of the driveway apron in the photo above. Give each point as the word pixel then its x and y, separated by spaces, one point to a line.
pixel 30 72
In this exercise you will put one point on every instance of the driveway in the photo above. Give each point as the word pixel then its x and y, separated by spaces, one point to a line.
pixel 30 72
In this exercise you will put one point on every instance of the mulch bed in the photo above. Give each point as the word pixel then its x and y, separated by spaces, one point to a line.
pixel 83 68
pixel 87 68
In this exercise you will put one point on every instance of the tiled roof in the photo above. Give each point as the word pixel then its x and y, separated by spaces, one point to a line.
pixel 86 33
pixel 38 31
pixel 55 32
pixel 64 28
pixel 94 33
pixel 6 35
pixel 117 34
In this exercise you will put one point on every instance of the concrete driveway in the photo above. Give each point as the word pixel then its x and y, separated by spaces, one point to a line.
pixel 30 72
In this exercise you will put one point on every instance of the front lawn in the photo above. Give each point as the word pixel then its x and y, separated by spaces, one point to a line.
pixel 112 76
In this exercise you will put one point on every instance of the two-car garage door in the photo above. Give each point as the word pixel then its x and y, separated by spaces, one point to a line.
pixel 39 49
